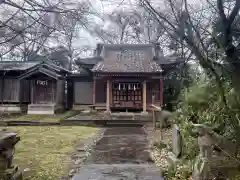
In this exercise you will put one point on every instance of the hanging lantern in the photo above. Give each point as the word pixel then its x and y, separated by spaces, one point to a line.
pixel 119 87
pixel 123 86
pixel 134 88
pixel 129 86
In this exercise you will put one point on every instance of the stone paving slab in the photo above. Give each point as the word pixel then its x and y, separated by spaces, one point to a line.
pixel 122 153
pixel 118 172
pixel 113 116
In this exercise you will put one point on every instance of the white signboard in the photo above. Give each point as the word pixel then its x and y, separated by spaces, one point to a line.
pixel 43 83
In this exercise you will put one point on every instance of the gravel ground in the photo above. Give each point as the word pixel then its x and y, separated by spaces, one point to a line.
pixel 82 152
pixel 159 156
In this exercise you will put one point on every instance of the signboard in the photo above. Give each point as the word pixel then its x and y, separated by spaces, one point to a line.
pixel 43 83
pixel 130 54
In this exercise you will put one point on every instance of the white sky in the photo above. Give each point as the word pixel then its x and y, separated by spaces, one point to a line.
pixel 107 6
pixel 101 7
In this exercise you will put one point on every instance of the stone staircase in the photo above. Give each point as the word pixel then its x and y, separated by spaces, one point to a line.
pixel 13 108
pixel 113 119
pixel 127 118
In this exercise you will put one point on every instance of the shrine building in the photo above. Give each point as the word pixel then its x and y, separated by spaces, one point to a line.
pixel 118 77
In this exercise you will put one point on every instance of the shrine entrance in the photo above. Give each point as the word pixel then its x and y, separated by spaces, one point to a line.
pixel 43 91
pixel 127 94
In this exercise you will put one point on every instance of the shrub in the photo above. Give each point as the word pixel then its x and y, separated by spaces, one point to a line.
pixel 203 104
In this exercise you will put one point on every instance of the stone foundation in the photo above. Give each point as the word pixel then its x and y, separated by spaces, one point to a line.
pixel 44 109
pixel 13 108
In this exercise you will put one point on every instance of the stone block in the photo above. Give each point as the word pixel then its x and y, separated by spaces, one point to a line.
pixel 176 141
pixel 201 169
pixel 8 141
pixel 172 160
pixel 144 113
pixel 3 164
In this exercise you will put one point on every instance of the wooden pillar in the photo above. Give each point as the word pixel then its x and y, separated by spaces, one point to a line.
pixel 2 90
pixel 144 96
pixel 32 90
pixel 20 93
pixel 110 92
pixel 161 92
pixel 54 87
pixel 108 97
pixel 56 92
pixel 94 91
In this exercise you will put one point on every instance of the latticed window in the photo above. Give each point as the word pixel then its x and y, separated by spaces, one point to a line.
pixel 130 91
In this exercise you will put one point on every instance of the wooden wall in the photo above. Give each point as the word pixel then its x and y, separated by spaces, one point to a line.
pixel 101 91
pixel 14 90
pixel 83 92
pixel 60 91
pixel 25 93
pixel 1 89
pixel 153 89
pixel 11 91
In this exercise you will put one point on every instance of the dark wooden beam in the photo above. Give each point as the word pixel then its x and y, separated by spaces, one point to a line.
pixel 2 90
pixel 32 90
pixel 94 91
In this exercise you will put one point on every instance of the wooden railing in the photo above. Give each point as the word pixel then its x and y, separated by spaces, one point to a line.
pixel 156 113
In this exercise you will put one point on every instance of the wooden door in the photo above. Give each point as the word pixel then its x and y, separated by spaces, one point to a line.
pixel 44 91
pixel 127 94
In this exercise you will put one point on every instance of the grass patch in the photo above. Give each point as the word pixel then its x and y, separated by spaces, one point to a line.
pixel 42 152
pixel 43 118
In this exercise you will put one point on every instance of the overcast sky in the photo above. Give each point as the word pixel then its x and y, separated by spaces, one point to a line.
pixel 102 7
pixel 99 8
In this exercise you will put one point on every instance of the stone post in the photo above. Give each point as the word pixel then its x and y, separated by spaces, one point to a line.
pixel 144 96
pixel 108 97
pixel 94 91
pixel 174 157
pixel 202 166
pixel 8 141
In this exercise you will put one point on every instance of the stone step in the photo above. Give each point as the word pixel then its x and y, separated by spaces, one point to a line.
pixel 124 124
pixel 118 171
pixel 13 108
pixel 143 118
pixel 41 109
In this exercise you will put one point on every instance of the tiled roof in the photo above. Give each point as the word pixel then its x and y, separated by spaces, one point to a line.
pixel 89 61
pixel 127 58
pixel 107 66
pixel 16 66
pixel 169 60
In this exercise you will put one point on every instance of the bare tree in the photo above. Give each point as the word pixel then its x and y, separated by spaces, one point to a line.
pixel 130 26
pixel 27 27
pixel 228 43
pixel 194 30
pixel 191 28
pixel 70 26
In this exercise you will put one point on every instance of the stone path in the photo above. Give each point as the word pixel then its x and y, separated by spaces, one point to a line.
pixel 121 154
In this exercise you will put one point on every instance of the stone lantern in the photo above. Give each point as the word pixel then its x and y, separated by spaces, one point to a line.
pixel 8 141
